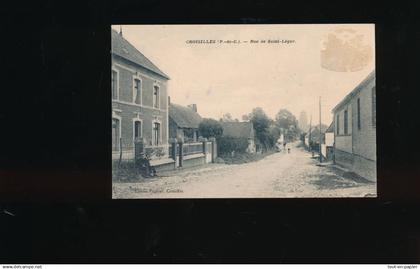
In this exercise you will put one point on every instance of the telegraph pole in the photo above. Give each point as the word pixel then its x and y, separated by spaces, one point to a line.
pixel 310 133
pixel 320 132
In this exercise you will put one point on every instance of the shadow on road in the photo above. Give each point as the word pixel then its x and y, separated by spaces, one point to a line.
pixel 335 178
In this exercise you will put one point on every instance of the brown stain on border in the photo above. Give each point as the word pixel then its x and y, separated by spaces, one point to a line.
pixel 346 51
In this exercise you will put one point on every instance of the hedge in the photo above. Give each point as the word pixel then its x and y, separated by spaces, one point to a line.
pixel 227 144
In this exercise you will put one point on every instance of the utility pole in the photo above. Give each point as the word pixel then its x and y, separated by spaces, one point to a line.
pixel 320 132
pixel 310 134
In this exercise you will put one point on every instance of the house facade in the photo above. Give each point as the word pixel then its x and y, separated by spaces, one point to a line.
pixel 327 148
pixel 139 99
pixel 241 130
pixel 184 122
pixel 355 129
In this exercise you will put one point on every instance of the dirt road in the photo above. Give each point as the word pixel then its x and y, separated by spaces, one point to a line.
pixel 277 176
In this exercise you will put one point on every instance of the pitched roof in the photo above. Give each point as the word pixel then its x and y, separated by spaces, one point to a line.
pixel 349 96
pixel 330 129
pixel 123 48
pixel 238 129
pixel 183 116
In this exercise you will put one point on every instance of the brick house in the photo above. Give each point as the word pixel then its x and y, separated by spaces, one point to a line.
pixel 139 99
pixel 241 130
pixel 355 129
pixel 184 122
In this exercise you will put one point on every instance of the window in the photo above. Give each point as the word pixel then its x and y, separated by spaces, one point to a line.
pixel 114 85
pixel 156 133
pixel 374 106
pixel 359 125
pixel 137 91
pixel 156 96
pixel 115 134
pixel 338 124
pixel 346 127
pixel 137 129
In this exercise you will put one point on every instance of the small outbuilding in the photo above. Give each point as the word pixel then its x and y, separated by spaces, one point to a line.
pixel 184 122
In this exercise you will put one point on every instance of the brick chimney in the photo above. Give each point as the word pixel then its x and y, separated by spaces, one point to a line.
pixel 193 107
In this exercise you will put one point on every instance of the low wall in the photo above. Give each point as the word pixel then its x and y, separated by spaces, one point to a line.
pixel 194 160
pixel 193 154
pixel 162 165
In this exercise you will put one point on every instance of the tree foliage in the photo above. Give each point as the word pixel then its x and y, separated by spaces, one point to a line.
pixel 227 117
pixel 227 144
pixel 262 124
pixel 315 133
pixel 287 122
pixel 210 128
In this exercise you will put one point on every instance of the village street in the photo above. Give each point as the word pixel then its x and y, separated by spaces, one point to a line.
pixel 278 175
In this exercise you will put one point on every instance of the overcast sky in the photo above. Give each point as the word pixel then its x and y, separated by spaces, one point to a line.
pixel 235 78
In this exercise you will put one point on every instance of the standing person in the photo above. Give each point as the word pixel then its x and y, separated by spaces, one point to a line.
pixel 284 145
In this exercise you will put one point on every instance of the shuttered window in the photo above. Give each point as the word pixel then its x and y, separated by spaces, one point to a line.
pixel 338 124
pixel 114 85
pixel 346 122
pixel 156 133
pixel 137 91
pixel 137 129
pixel 156 96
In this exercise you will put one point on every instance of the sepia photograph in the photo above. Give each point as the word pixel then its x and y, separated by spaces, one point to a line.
pixel 243 111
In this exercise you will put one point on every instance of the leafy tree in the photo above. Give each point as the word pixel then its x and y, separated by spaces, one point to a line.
pixel 315 133
pixel 287 122
pixel 261 124
pixel 275 133
pixel 227 117
pixel 210 128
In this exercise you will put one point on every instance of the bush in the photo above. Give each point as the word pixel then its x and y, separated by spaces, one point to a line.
pixel 126 172
pixel 228 144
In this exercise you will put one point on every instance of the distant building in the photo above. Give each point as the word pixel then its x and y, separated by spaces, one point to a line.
pixel 241 130
pixel 184 122
pixel 303 122
pixel 139 99
pixel 328 147
pixel 355 129
pixel 329 135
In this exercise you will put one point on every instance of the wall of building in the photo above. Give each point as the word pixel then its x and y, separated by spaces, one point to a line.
pixel 128 110
pixel 329 139
pixel 357 151
pixel 343 141
pixel 364 139
pixel 364 167
pixel 343 158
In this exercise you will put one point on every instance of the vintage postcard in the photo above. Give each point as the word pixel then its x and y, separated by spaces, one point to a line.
pixel 243 111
